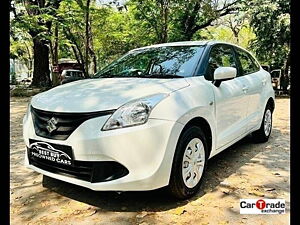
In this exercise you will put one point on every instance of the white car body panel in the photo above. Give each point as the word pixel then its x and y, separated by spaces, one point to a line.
pixel 232 110
pixel 102 94
pixel 146 165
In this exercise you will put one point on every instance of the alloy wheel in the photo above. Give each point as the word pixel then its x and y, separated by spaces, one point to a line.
pixel 268 122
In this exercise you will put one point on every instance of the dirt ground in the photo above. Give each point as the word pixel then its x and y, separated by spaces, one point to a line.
pixel 245 170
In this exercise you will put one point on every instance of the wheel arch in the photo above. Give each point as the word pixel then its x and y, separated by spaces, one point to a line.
pixel 271 103
pixel 204 125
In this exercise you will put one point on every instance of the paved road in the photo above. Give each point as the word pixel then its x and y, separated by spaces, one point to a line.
pixel 245 170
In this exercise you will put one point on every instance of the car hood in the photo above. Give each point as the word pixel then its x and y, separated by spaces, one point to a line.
pixel 102 94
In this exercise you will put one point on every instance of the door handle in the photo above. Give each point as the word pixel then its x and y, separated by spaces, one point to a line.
pixel 245 89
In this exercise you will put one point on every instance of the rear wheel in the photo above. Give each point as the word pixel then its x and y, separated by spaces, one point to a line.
pixel 264 132
pixel 189 163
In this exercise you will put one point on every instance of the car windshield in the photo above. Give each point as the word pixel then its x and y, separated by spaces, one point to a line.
pixel 155 62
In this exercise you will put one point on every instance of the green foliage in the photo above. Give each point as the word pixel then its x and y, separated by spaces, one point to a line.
pixel 179 20
pixel 21 46
pixel 33 19
pixel 114 32
pixel 70 19
pixel 272 43
pixel 224 33
pixel 119 33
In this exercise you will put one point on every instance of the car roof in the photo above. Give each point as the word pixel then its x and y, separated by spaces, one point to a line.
pixel 195 43
pixel 188 43
pixel 180 43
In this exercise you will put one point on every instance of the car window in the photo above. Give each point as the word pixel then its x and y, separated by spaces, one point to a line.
pixel 248 64
pixel 257 66
pixel 148 62
pixel 220 56
pixel 275 74
pixel 79 74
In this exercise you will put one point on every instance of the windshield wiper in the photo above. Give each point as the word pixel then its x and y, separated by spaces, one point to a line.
pixel 163 75
pixel 156 75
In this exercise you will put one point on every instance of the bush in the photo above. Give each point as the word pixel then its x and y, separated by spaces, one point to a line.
pixel 13 78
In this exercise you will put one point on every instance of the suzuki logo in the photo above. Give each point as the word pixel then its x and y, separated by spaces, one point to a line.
pixel 51 125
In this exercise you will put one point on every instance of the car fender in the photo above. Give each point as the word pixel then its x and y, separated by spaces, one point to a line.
pixel 194 101
pixel 267 93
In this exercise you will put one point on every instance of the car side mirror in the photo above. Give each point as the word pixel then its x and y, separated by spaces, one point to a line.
pixel 222 74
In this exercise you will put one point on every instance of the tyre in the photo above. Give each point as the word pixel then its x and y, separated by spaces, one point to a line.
pixel 189 163
pixel 264 132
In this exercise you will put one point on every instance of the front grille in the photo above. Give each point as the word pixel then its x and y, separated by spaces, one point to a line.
pixel 66 122
pixel 90 171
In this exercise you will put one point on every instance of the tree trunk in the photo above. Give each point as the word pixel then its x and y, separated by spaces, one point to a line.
pixel 41 73
pixel 29 63
pixel 55 75
pixel 236 35
pixel 76 49
pixel 91 48
pixel 189 23
pixel 287 64
pixel 164 13
pixel 87 36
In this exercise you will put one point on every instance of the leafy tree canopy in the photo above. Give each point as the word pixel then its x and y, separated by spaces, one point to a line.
pixel 270 21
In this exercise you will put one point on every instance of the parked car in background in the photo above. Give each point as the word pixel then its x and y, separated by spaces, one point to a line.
pixel 64 64
pixel 276 77
pixel 152 118
pixel 26 81
pixel 70 75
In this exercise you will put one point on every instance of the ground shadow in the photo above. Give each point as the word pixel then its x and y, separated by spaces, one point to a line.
pixel 219 168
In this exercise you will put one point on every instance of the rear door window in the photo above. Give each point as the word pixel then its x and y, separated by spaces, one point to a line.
pixel 248 64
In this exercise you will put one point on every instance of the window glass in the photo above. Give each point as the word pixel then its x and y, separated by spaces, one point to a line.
pixel 168 60
pixel 247 63
pixel 220 56
pixel 256 65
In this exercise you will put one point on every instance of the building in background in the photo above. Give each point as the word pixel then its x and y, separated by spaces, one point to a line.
pixel 18 70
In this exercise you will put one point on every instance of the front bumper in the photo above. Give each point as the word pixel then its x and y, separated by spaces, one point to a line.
pixel 146 151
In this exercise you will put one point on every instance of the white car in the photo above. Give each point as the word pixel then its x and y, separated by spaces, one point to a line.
pixel 152 118
pixel 70 75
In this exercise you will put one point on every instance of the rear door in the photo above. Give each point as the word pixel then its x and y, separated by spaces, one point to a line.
pixel 253 83
pixel 231 102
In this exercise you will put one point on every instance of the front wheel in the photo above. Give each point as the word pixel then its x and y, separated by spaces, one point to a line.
pixel 189 163
pixel 264 132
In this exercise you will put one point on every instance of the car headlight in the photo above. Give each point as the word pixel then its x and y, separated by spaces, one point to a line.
pixel 133 113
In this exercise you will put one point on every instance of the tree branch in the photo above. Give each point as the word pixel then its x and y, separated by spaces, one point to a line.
pixel 208 22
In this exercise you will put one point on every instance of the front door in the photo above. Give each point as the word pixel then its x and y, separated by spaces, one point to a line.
pixel 231 102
